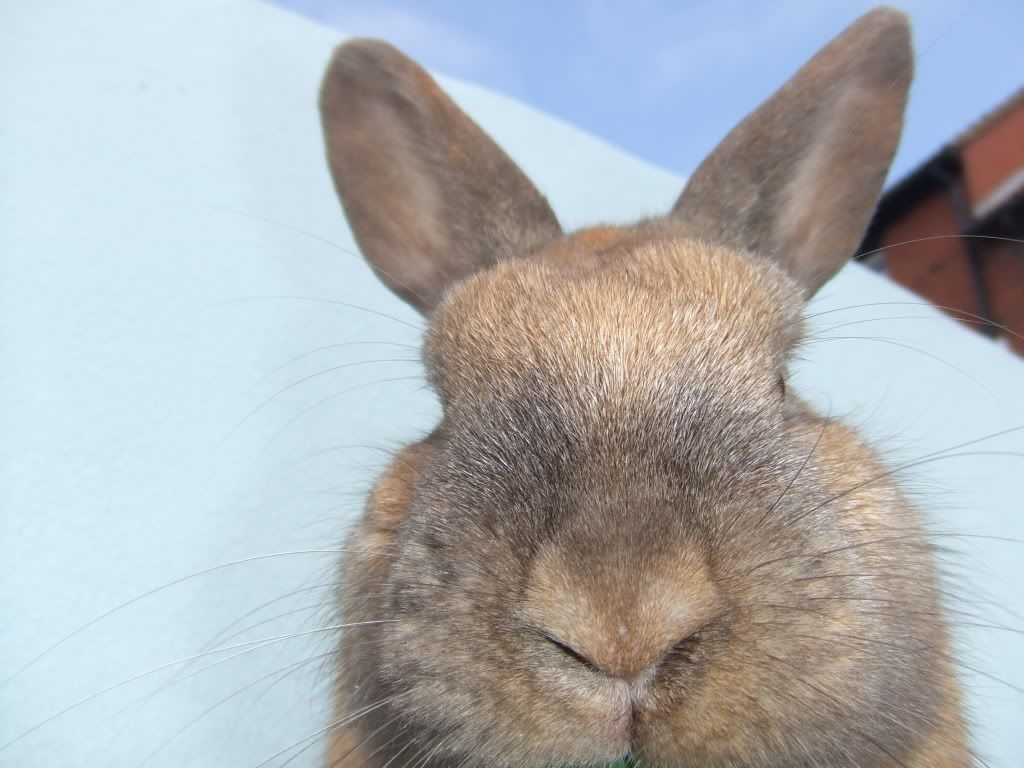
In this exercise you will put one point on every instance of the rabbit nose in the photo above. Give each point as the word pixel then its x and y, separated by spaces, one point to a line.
pixel 623 625
pixel 619 612
pixel 628 661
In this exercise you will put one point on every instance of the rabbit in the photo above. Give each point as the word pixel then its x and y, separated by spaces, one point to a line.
pixel 627 538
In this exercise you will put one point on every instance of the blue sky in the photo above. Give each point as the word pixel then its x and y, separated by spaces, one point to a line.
pixel 666 80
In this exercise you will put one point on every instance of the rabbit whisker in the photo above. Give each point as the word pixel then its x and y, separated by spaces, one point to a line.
pixel 327 399
pixel 347 720
pixel 121 606
pixel 340 345
pixel 303 380
pixel 260 643
pixel 279 674
pixel 332 302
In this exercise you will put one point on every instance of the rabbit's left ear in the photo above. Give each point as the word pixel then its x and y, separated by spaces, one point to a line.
pixel 798 179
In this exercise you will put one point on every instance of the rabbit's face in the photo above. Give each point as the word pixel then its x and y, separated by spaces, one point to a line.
pixel 625 536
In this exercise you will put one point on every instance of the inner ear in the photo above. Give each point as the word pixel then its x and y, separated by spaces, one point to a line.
pixel 798 180
pixel 431 199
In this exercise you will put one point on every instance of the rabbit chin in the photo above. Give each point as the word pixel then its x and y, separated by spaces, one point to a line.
pixel 613 719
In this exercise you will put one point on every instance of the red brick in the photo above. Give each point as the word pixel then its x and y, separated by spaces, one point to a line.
pixel 994 154
pixel 936 269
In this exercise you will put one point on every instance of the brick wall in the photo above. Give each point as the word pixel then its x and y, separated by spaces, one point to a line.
pixel 994 154
pixel 1002 269
pixel 936 269
pixel 991 161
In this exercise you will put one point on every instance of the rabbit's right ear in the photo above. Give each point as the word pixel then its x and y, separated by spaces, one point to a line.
pixel 430 197
pixel 798 180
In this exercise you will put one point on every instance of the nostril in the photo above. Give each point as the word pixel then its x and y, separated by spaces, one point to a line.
pixel 631 660
pixel 685 650
pixel 570 652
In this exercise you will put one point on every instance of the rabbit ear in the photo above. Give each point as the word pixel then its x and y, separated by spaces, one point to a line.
pixel 799 178
pixel 430 197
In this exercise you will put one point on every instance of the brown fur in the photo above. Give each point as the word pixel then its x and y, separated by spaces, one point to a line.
pixel 798 179
pixel 421 225
pixel 625 535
